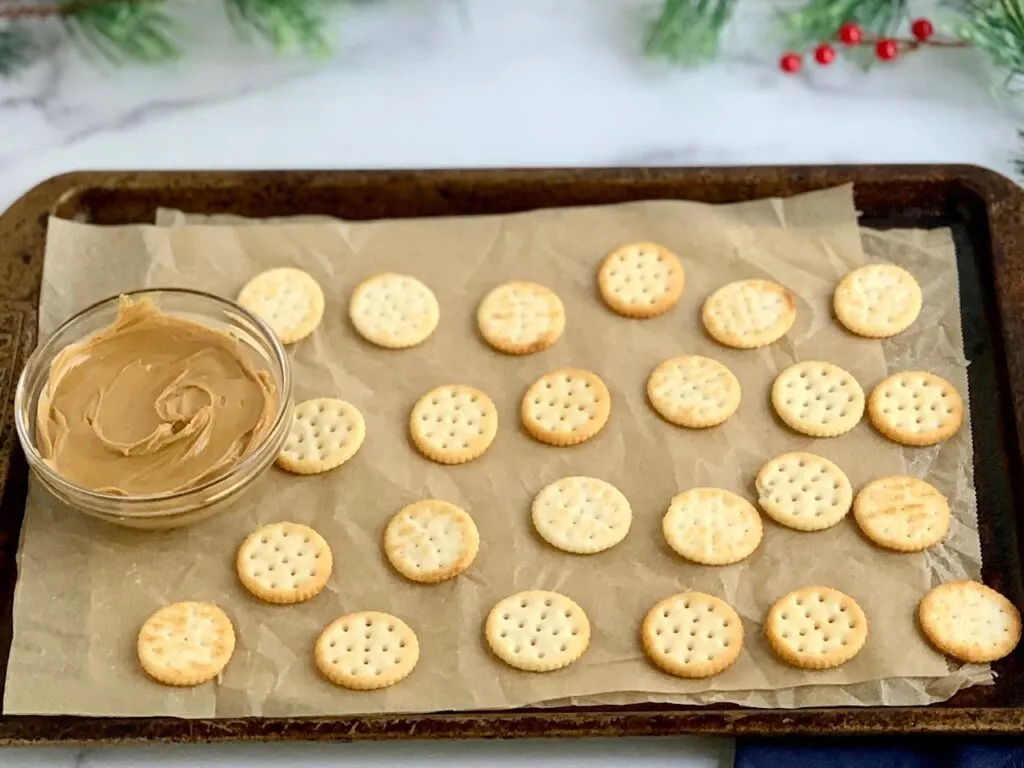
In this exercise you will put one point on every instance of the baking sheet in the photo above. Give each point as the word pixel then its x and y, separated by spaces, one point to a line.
pixel 85 587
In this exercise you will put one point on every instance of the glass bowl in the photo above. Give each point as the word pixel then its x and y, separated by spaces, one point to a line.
pixel 177 508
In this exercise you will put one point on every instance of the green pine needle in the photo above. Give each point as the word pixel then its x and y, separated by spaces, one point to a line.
pixel 818 21
pixel 996 28
pixel 688 31
pixel 287 24
pixel 17 49
pixel 123 31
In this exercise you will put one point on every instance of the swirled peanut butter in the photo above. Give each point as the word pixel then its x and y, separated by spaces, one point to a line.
pixel 152 404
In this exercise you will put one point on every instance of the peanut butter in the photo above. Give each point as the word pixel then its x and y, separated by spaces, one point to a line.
pixel 152 404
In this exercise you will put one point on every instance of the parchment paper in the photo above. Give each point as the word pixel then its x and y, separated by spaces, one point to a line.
pixel 85 587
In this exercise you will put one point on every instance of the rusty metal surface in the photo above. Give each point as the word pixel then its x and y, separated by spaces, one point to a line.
pixel 984 210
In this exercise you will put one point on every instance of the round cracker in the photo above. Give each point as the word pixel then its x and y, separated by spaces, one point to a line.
pixel 818 399
pixel 521 318
pixel 749 313
pixel 641 280
pixel 582 515
pixel 712 526
pixel 803 491
pixel 970 622
pixel 325 433
pixel 693 391
pixel 916 408
pixel 902 513
pixel 431 541
pixel 877 301
pixel 289 300
pixel 186 643
pixel 692 635
pixel 367 650
pixel 453 424
pixel 816 628
pixel 537 631
pixel 394 311
pixel 566 407
pixel 284 563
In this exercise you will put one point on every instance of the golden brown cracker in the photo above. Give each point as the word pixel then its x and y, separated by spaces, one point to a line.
pixel 816 628
pixel 970 622
pixel 804 491
pixel 289 300
pixel 453 424
pixel 641 280
pixel 693 391
pixel 818 399
pixel 692 635
pixel 394 311
pixel 367 650
pixel 566 407
pixel 749 313
pixel 186 643
pixel 877 300
pixel 902 513
pixel 325 433
pixel 284 563
pixel 712 526
pixel 582 515
pixel 537 631
pixel 916 408
pixel 521 318
pixel 431 541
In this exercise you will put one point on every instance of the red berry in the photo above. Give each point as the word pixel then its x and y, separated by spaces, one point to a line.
pixel 922 29
pixel 791 63
pixel 825 54
pixel 850 33
pixel 886 49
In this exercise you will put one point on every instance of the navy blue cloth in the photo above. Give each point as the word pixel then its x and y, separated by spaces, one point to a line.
pixel 923 752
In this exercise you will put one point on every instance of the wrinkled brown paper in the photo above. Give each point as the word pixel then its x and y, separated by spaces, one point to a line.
pixel 85 587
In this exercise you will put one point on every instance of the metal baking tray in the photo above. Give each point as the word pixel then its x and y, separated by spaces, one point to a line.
pixel 984 210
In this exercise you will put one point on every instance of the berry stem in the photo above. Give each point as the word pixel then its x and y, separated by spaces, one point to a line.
pixel 28 11
pixel 911 44
pixel 904 45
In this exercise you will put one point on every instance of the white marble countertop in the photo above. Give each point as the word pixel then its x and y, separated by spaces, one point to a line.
pixel 671 752
pixel 479 83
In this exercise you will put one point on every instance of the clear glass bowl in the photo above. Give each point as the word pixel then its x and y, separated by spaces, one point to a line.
pixel 162 510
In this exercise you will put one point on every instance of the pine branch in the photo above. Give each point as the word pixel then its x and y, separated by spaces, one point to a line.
pixel 688 31
pixel 122 31
pixel 819 21
pixel 287 24
pixel 17 49
pixel 996 28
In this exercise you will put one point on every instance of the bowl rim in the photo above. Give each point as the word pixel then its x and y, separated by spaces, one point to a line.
pixel 245 467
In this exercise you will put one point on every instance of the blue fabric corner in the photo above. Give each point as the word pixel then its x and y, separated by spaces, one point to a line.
pixel 931 752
